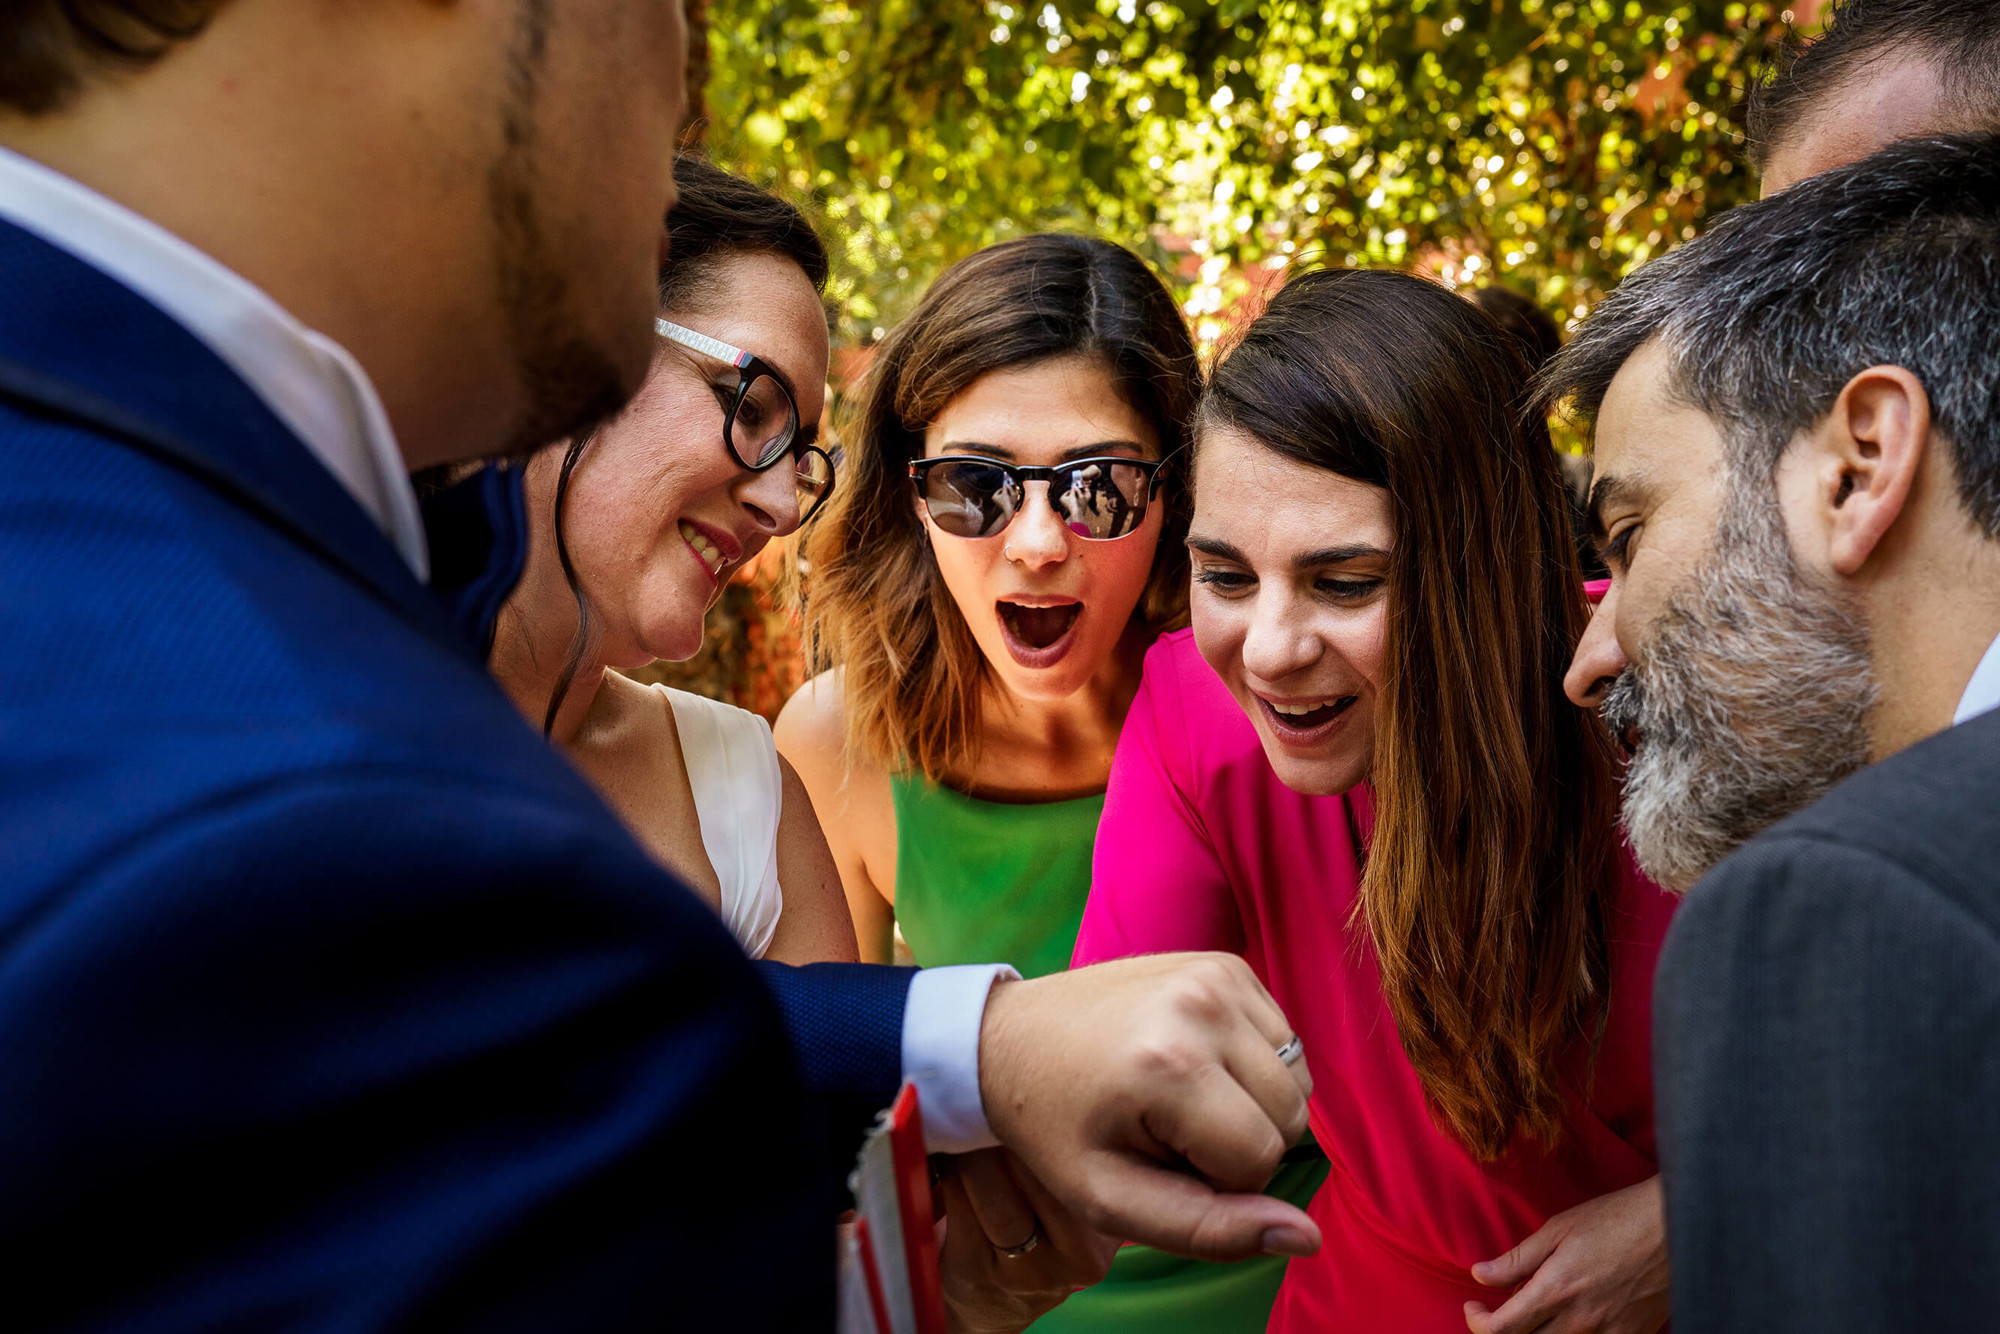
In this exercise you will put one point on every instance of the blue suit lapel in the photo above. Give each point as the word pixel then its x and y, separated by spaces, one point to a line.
pixel 76 344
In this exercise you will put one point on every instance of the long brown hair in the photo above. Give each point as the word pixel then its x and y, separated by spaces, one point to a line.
pixel 875 604
pixel 1495 839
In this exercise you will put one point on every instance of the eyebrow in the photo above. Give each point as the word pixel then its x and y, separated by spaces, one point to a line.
pixel 1608 490
pixel 1307 560
pixel 1006 455
pixel 1337 555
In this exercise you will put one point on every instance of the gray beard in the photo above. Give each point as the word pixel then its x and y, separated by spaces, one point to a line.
pixel 1750 700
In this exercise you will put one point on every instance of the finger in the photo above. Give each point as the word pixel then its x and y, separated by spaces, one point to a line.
pixel 1527 1309
pixel 1220 1130
pixel 1519 1264
pixel 1279 1089
pixel 1252 1000
pixel 1272 1031
pixel 996 1199
pixel 1065 1230
pixel 1136 1198
pixel 1088 1252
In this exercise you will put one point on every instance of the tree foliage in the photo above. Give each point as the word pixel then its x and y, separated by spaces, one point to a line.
pixel 1550 143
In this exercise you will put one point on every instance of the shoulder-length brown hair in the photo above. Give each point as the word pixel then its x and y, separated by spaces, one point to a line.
pixel 1495 840
pixel 875 604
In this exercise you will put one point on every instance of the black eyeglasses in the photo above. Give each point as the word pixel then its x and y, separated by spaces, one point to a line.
pixel 1097 498
pixel 760 419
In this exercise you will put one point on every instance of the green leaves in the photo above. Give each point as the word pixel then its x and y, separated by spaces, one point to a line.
pixel 1550 143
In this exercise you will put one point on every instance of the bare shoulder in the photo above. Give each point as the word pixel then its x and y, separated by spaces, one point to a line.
pixel 811 733
pixel 812 727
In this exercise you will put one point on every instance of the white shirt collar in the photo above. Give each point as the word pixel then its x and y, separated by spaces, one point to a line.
pixel 312 383
pixel 1982 692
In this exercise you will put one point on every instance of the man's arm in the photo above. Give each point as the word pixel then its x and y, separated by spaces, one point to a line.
pixel 1108 1082
pixel 1827 1044
pixel 381 1050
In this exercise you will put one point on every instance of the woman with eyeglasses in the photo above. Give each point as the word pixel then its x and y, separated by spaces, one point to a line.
pixel 1006 543
pixel 634 529
pixel 1357 770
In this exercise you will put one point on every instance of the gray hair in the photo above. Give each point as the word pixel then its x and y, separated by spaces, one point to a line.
pixel 1894 260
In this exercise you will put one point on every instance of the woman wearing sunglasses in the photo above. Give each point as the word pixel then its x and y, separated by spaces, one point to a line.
pixel 1358 771
pixel 1006 543
pixel 634 530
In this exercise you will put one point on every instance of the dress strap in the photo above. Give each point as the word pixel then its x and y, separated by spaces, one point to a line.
pixel 739 795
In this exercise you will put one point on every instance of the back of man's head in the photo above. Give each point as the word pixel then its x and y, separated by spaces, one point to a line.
pixel 1882 70
pixel 50 48
pixel 1894 260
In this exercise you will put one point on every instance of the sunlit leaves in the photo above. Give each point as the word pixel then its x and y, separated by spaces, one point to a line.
pixel 1551 142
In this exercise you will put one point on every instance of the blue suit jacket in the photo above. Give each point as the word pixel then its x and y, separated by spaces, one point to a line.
pixel 330 999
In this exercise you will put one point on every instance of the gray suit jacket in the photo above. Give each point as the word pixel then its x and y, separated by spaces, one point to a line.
pixel 1827 1060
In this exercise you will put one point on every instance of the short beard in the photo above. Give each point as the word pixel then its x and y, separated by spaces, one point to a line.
pixel 568 382
pixel 1750 700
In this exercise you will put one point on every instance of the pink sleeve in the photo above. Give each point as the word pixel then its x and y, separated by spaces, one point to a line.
pixel 1156 884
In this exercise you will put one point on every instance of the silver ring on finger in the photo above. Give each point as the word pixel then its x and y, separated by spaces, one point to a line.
pixel 1292 1050
pixel 1016 1252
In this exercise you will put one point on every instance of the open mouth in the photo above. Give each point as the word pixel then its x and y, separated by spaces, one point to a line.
pixel 1038 636
pixel 1306 722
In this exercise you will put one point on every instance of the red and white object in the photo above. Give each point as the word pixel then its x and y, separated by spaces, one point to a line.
pixel 889 1264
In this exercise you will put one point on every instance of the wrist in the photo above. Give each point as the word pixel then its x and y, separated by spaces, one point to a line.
pixel 1000 1090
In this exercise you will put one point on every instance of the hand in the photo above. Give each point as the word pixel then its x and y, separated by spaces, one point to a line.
pixel 1599 1267
pixel 992 1202
pixel 1118 1084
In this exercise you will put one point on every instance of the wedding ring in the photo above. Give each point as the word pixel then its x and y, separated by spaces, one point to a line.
pixel 1016 1252
pixel 1292 1050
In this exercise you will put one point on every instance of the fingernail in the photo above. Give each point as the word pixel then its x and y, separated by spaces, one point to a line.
pixel 1286 1241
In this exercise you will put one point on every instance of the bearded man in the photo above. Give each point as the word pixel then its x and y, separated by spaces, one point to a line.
pixel 1797 421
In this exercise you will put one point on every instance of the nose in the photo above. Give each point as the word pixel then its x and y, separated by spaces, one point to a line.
pixel 1037 537
pixel 771 498
pixel 1277 642
pixel 1599 657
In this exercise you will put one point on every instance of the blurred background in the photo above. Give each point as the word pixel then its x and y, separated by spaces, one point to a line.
pixel 1545 146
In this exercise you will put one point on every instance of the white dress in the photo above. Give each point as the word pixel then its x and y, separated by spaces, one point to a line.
pixel 732 764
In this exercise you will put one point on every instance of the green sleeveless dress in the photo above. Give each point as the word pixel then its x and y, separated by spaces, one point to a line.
pixel 993 882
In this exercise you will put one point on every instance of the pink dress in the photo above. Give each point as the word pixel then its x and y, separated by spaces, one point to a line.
pixel 1202 848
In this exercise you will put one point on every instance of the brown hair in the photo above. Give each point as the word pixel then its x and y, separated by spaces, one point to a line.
pixel 876 605
pixel 49 47
pixel 1495 839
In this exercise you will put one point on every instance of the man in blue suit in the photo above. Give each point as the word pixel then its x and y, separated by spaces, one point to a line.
pixel 329 997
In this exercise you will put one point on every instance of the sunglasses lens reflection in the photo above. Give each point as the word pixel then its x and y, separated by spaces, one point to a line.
pixel 765 423
pixel 970 499
pixel 1100 500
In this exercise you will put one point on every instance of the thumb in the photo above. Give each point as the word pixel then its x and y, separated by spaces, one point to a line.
pixel 1519 1264
pixel 1139 1200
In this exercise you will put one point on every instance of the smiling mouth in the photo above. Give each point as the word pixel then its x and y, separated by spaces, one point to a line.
pixel 705 551
pixel 1305 722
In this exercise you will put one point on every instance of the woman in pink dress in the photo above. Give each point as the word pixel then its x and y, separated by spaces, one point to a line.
pixel 1358 770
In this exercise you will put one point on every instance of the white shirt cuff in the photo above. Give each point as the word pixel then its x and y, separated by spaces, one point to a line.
pixel 941 1020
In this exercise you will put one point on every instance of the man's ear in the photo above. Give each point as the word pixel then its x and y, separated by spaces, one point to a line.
pixel 1871 445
